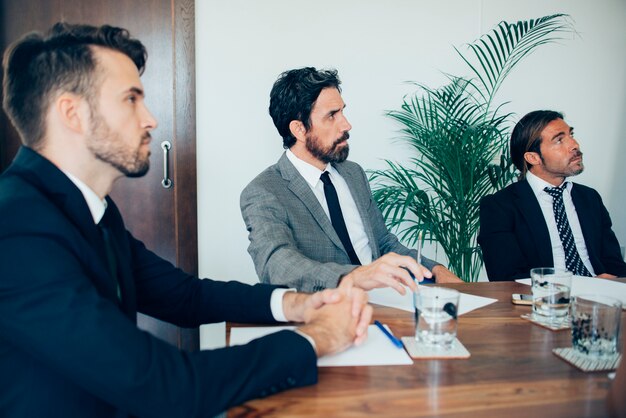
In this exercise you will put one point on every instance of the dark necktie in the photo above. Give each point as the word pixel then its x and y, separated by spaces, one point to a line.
pixel 111 257
pixel 336 217
pixel 573 261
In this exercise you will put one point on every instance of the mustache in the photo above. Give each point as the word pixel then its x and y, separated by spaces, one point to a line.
pixel 577 154
pixel 341 139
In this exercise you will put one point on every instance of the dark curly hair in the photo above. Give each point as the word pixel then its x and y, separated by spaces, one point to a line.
pixel 293 96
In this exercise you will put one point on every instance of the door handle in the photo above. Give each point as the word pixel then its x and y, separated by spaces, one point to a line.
pixel 166 182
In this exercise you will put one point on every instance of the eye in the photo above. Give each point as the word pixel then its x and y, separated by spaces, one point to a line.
pixel 132 98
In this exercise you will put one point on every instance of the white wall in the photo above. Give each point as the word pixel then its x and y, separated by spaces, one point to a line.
pixel 242 46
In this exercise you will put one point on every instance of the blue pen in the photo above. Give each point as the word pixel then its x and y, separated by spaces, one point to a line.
pixel 389 335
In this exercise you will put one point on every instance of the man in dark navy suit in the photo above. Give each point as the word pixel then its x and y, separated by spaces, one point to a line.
pixel 72 278
pixel 543 220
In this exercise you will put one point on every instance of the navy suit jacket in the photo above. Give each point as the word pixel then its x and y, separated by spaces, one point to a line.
pixel 70 348
pixel 514 236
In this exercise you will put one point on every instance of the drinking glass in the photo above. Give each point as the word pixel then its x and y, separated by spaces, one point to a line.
pixel 596 325
pixel 551 292
pixel 436 315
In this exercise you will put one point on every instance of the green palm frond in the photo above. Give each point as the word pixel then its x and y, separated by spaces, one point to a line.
pixel 495 54
pixel 460 146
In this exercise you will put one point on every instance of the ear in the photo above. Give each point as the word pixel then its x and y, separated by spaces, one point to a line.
pixel 532 158
pixel 73 112
pixel 297 129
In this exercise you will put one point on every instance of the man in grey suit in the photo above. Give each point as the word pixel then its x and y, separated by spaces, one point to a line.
pixel 310 217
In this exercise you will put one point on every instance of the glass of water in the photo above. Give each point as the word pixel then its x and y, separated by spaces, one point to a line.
pixel 551 292
pixel 596 325
pixel 436 315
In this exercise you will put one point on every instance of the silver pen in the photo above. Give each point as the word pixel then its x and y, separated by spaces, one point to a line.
pixel 420 242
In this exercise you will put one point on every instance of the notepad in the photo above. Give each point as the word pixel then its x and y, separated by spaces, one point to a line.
pixel 389 297
pixel 376 351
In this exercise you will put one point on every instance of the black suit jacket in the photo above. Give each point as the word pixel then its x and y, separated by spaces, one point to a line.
pixel 514 235
pixel 70 348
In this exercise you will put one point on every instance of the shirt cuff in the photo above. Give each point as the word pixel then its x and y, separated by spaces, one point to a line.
pixel 276 304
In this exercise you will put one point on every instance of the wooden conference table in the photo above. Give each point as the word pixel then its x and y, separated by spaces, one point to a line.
pixel 512 372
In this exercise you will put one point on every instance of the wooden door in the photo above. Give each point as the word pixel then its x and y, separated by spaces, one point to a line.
pixel 163 218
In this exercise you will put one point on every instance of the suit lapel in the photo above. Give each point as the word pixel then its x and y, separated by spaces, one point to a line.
pixel 60 190
pixel 362 198
pixel 302 190
pixel 527 203
pixel 55 185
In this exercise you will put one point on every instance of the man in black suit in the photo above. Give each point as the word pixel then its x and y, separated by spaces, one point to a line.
pixel 72 278
pixel 543 220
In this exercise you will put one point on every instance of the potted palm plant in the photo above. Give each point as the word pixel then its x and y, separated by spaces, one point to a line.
pixel 459 140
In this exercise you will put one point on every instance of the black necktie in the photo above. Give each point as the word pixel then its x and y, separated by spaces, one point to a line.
pixel 111 257
pixel 336 217
pixel 573 262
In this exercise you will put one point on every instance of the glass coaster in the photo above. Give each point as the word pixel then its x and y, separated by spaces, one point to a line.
pixel 558 324
pixel 423 351
pixel 586 364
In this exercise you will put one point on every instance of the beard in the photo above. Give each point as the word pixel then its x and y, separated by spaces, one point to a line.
pixel 336 153
pixel 572 168
pixel 110 147
pixel 580 166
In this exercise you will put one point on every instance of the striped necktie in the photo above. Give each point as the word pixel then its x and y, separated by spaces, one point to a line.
pixel 573 262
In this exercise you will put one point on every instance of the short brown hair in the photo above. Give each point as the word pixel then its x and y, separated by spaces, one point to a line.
pixel 526 136
pixel 36 67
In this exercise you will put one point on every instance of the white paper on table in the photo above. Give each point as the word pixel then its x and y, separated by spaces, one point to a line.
pixel 389 297
pixel 593 286
pixel 377 350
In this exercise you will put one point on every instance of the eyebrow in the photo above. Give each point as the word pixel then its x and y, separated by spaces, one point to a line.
pixel 571 129
pixel 136 90
pixel 333 111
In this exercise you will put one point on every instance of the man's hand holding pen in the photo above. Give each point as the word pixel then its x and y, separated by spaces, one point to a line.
pixel 390 270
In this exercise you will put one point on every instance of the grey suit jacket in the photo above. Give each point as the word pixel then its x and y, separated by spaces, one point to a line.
pixel 292 241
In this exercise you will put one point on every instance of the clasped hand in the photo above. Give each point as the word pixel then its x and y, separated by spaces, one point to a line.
pixel 334 318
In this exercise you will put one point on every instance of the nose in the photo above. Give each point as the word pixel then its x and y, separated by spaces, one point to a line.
pixel 346 124
pixel 574 144
pixel 149 122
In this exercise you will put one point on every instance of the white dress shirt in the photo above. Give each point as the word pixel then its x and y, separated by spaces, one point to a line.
pixel 545 202
pixel 98 206
pixel 351 215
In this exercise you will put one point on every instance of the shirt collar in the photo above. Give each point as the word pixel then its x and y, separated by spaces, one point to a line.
pixel 538 184
pixel 96 205
pixel 310 173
